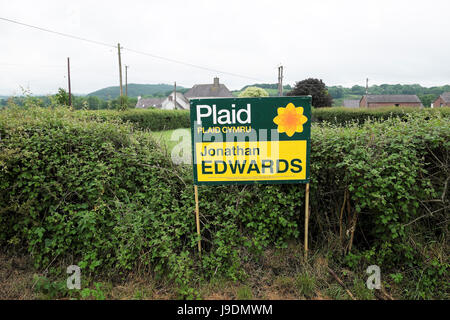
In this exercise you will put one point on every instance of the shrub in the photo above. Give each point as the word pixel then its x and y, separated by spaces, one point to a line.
pixel 91 192
pixel 253 92
pixel 77 188
pixel 345 116
pixel 158 120
pixel 149 119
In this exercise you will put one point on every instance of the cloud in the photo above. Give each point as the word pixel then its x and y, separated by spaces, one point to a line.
pixel 342 42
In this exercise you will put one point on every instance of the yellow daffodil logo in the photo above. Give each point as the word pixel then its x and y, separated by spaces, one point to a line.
pixel 290 119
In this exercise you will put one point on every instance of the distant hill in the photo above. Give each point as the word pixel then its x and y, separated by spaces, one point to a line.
pixel 135 90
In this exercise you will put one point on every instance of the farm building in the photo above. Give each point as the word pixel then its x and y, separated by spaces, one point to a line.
pixel 214 90
pixel 149 103
pixel 389 100
pixel 181 102
pixel 351 103
pixel 442 101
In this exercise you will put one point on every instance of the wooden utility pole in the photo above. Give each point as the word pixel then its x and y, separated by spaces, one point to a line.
pixel 68 79
pixel 367 91
pixel 126 80
pixel 175 95
pixel 120 70
pixel 280 81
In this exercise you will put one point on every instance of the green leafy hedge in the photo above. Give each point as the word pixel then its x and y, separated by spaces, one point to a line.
pixel 100 194
pixel 344 116
pixel 150 119
pixel 158 120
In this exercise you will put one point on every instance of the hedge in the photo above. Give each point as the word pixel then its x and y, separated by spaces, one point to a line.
pixel 150 119
pixel 102 195
pixel 344 116
pixel 158 120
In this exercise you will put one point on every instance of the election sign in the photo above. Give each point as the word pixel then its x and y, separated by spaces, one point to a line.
pixel 251 140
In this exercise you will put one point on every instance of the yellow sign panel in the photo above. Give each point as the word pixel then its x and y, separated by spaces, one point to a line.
pixel 255 161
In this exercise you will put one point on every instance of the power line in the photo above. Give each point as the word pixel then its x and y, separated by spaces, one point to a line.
pixel 128 49
pixel 190 64
pixel 30 65
pixel 58 33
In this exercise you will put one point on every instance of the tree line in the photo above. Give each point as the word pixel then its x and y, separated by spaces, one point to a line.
pixel 77 102
pixel 322 95
pixel 426 94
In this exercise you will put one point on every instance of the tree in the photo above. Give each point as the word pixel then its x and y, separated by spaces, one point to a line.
pixel 427 99
pixel 94 102
pixel 251 92
pixel 336 92
pixel 358 90
pixel 62 97
pixel 314 87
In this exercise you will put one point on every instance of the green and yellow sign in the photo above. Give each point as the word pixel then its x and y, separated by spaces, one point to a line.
pixel 251 140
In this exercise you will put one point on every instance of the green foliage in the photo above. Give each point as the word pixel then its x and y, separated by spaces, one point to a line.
pixel 347 116
pixel 267 86
pixel 85 187
pixel 315 88
pixel 134 90
pixel 253 92
pixel 146 119
pixel 62 97
pixel 427 99
pixel 270 88
pixel 305 284
pixel 50 289
pixel 158 120
pixel 361 291
pixel 96 293
pixel 244 293
pixel 90 190
pixel 342 92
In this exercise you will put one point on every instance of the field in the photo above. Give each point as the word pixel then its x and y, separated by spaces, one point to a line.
pixel 102 190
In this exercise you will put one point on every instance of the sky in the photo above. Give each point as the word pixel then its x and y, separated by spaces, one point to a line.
pixel 341 42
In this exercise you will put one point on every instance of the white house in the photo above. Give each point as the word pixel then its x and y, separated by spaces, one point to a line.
pixel 181 102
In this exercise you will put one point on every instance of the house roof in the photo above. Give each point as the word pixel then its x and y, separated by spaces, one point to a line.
pixel 446 96
pixel 180 97
pixel 150 102
pixel 208 90
pixel 393 98
pixel 351 103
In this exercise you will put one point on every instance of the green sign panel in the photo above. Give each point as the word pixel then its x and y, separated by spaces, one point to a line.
pixel 251 140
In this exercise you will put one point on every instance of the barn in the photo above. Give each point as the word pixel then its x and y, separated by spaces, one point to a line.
pixel 351 103
pixel 390 100
pixel 442 101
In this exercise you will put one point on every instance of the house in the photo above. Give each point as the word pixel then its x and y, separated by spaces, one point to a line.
pixel 214 90
pixel 442 101
pixel 149 103
pixel 167 103
pixel 389 100
pixel 351 103
pixel 181 102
